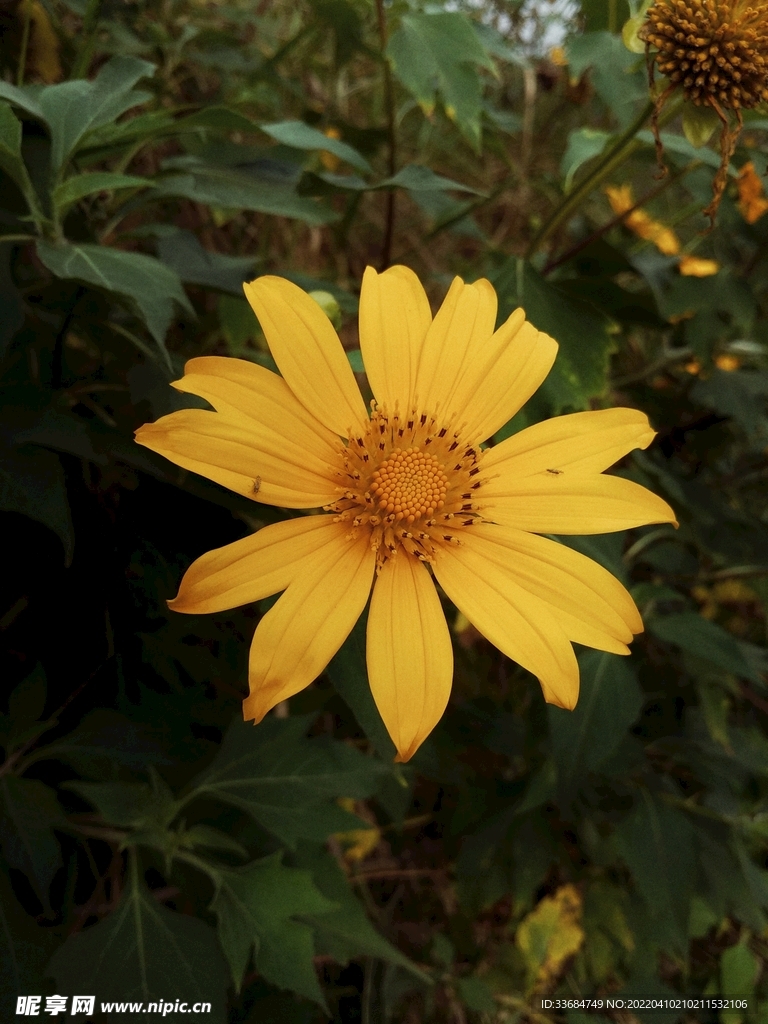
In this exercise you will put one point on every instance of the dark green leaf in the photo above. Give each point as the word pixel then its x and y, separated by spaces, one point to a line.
pixel 32 483
pixel 609 703
pixel 81 185
pixel 28 814
pixel 26 97
pixel 255 907
pixel 11 160
pixel 153 287
pixel 618 75
pixel 416 178
pixel 703 639
pixel 182 252
pixel 144 952
pixel 302 136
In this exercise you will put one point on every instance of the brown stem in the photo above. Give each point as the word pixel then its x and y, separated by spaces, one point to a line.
pixel 389 101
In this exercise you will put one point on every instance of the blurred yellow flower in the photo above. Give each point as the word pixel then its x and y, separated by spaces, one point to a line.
pixel 558 57
pixel 727 362
pixel 694 367
pixel 43 58
pixel 412 500
pixel 329 160
pixel 664 238
pixel 695 266
pixel 752 201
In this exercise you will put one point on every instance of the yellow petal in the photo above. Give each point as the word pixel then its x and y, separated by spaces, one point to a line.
pixel 394 320
pixel 252 568
pixel 261 462
pixel 590 604
pixel 503 376
pixel 462 327
pixel 300 634
pixel 308 352
pixel 409 654
pixel 476 576
pixel 583 442
pixel 568 503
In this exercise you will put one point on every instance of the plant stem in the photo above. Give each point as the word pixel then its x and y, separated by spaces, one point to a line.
pixel 21 67
pixel 389 102
pixel 624 146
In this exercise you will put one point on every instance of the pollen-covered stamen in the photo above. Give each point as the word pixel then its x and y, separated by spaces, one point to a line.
pixel 410 482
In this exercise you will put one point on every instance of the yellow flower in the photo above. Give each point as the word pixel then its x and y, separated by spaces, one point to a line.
pixel 727 362
pixel 752 201
pixel 411 499
pixel 329 160
pixel 695 266
pixel 638 221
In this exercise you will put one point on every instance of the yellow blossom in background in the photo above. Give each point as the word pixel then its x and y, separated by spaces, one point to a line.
pixel 43 55
pixel 550 934
pixel 642 224
pixel 727 362
pixel 695 266
pixel 329 160
pixel 358 842
pixel 411 499
pixel 752 200
pixel 694 367
pixel 558 57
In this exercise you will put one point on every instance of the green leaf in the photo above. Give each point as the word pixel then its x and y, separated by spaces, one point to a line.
pixel 699 124
pixel 345 932
pixel 416 178
pixel 183 253
pixel 72 109
pixel 286 782
pixel 80 185
pixel 609 703
pixel 26 97
pixel 441 52
pixel 658 844
pixel 103 743
pixel 255 907
pixel 24 947
pixel 129 805
pixel 241 190
pixel 29 811
pixel 618 76
pixel 237 322
pixel 476 995
pixel 302 136
pixel 741 394
pixel 703 639
pixel 11 160
pixel 583 145
pixel 32 483
pixel 349 675
pixel 144 952
pixel 582 331
pixel 153 287
pixel 739 970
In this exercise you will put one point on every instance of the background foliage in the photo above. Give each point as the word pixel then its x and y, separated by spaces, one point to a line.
pixel 154 155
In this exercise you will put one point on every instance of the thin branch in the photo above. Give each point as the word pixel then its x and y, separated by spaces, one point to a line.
pixel 389 102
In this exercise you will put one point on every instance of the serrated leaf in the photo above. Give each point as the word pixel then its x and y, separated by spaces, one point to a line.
pixel 703 639
pixel 609 703
pixel 73 108
pixel 442 53
pixel 302 136
pixel 256 908
pixel 29 811
pixel 287 782
pixel 81 185
pixel 582 332
pixel 144 952
pixel 153 287
pixel 130 805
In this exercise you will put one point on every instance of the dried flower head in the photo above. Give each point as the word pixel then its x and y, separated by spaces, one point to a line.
pixel 717 52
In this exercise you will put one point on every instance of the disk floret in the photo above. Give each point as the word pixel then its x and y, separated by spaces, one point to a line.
pixel 410 481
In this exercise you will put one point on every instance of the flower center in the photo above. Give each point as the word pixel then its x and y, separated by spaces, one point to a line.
pixel 409 482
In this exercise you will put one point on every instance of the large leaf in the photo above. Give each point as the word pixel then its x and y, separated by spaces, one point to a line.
pixel 582 331
pixel 619 77
pixel 81 185
pixel 73 108
pixel 182 252
pixel 29 811
pixel 302 136
pixel 609 703
pixel 658 843
pixel 345 932
pixel 26 97
pixel 704 639
pixel 32 483
pixel 11 160
pixel 255 907
pixel 144 952
pixel 153 287
pixel 239 189
pixel 441 52
pixel 286 781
